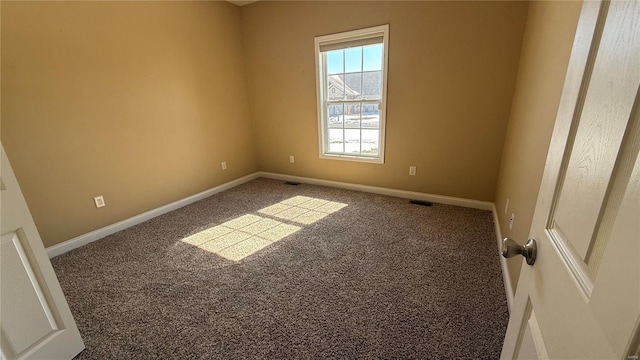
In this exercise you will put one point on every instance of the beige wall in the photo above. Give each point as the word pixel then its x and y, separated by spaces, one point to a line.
pixel 545 55
pixel 137 101
pixel 141 101
pixel 452 69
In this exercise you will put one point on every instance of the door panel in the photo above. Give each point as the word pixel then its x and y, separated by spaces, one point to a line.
pixel 24 330
pixel 603 118
pixel 584 289
pixel 531 345
pixel 36 320
pixel 621 257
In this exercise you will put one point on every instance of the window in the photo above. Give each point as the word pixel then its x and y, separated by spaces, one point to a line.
pixel 352 94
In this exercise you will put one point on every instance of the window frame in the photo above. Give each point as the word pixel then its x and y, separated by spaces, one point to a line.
pixel 322 98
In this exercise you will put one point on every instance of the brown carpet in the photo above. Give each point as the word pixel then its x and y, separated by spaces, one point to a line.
pixel 268 270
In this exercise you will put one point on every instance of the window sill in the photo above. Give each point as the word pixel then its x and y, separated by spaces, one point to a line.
pixel 353 158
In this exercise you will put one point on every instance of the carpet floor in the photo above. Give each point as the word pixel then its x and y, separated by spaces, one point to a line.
pixel 275 271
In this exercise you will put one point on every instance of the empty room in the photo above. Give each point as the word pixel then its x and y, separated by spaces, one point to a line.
pixel 320 179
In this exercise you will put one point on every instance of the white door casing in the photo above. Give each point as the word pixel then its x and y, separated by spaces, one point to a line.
pixel 35 319
pixel 581 299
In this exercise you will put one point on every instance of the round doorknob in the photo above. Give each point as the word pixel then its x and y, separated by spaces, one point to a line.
pixel 511 248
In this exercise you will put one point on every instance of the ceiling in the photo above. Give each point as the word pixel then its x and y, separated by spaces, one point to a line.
pixel 242 2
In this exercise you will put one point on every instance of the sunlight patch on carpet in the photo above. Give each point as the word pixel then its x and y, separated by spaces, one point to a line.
pixel 250 233
pixel 302 209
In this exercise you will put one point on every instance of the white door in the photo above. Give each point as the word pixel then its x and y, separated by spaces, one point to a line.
pixel 581 298
pixel 35 319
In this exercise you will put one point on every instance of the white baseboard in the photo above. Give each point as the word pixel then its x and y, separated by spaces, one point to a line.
pixel 508 289
pixel 84 239
pixel 449 200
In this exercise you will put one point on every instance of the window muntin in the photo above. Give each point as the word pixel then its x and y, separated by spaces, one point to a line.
pixel 351 75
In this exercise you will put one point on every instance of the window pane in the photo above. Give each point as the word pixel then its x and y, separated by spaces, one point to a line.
pixel 336 140
pixel 370 141
pixel 372 57
pixel 370 115
pixel 352 116
pixel 352 140
pixel 335 63
pixel 336 115
pixel 372 84
pixel 353 59
pixel 350 73
pixel 353 86
pixel 335 87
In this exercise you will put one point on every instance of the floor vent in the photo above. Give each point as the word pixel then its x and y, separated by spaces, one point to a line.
pixel 291 183
pixel 421 202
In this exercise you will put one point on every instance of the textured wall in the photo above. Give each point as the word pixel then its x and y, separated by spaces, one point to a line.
pixel 137 101
pixel 546 48
pixel 452 70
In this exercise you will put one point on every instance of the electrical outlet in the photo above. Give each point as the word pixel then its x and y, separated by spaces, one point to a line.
pixel 412 170
pixel 224 165
pixel 511 219
pixel 292 159
pixel 99 201
pixel 506 206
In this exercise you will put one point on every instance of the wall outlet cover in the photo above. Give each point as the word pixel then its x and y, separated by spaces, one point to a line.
pixel 99 201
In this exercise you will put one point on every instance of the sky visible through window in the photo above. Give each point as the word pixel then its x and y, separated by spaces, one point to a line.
pixel 356 59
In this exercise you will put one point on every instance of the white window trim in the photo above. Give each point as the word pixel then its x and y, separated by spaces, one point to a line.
pixel 320 83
